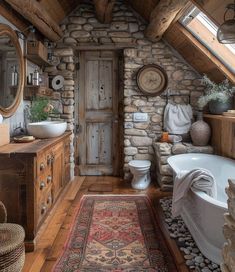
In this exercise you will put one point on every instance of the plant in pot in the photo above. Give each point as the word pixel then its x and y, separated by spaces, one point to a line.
pixel 219 97
pixel 40 109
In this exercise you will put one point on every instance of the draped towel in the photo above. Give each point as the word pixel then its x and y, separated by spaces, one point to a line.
pixel 200 179
pixel 177 118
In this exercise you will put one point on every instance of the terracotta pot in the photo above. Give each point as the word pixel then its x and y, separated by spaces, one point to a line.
pixel 200 132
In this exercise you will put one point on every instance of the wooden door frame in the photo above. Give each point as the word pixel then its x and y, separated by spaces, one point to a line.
pixel 118 159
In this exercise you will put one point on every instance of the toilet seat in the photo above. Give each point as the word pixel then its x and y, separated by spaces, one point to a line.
pixel 140 163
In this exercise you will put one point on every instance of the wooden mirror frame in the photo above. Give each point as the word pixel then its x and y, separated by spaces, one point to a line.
pixel 9 111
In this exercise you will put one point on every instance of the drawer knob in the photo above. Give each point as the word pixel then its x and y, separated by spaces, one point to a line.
pixel 49 200
pixel 43 209
pixel 42 166
pixel 49 160
pixel 42 185
pixel 49 179
pixel 52 159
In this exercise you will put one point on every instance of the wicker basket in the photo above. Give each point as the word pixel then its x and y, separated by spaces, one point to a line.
pixel 12 251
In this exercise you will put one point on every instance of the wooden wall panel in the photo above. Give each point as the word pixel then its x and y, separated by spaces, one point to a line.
pixel 196 54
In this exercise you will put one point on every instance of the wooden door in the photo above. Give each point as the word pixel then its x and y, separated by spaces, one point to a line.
pixel 98 114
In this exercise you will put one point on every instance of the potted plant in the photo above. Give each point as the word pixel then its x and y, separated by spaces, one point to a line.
pixel 219 97
pixel 40 109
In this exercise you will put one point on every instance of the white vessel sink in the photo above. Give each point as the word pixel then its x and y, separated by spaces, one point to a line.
pixel 46 129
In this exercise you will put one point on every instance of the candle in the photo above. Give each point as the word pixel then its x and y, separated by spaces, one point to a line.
pixel 164 137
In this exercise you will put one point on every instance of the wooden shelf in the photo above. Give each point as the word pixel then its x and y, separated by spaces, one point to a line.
pixel 37 53
pixel 31 91
pixel 219 117
pixel 222 134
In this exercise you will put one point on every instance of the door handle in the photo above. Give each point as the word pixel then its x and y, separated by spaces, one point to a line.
pixel 78 129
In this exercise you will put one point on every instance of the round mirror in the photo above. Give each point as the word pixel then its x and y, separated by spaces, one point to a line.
pixel 11 71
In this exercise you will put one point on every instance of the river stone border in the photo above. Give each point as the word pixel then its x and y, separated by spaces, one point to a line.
pixel 194 259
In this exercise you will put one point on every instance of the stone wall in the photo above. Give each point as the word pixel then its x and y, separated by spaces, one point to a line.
pixel 228 264
pixel 125 31
pixel 163 151
pixel 63 100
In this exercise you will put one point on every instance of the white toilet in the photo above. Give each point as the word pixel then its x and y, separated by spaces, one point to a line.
pixel 141 175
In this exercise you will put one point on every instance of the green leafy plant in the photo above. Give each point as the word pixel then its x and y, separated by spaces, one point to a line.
pixel 221 92
pixel 40 109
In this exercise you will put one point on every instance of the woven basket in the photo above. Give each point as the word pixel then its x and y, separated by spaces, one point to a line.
pixel 12 251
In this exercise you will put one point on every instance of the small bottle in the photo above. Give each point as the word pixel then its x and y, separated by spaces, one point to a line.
pixel 30 79
pixel 14 77
pixel 36 77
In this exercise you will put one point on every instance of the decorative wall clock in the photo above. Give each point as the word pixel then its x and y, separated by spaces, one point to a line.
pixel 152 79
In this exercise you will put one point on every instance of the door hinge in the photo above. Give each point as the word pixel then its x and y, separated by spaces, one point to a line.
pixel 78 129
pixel 78 66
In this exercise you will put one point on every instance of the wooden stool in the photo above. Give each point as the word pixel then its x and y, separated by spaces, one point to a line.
pixel 12 252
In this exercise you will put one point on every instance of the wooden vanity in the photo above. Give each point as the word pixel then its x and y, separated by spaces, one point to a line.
pixel 222 134
pixel 32 176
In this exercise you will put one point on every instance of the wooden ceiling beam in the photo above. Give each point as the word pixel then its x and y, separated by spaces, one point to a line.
pixel 34 12
pixel 165 12
pixel 13 17
pixel 104 9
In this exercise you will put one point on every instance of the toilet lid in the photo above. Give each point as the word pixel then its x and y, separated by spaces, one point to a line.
pixel 140 163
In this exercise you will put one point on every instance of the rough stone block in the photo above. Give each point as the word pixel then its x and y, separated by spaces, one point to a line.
pixel 179 149
pixel 141 141
pixel 165 170
pixel 135 132
pixel 63 52
pixel 77 20
pixel 148 157
pixel 130 151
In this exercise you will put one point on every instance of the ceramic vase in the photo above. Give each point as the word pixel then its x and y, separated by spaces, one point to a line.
pixel 218 107
pixel 200 131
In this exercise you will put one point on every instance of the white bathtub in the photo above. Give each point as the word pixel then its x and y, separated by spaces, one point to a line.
pixel 202 214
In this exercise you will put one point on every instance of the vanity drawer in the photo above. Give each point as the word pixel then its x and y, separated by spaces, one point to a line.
pixel 45 162
pixel 44 182
pixel 44 205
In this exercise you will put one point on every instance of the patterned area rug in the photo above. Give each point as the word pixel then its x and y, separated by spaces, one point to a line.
pixel 115 233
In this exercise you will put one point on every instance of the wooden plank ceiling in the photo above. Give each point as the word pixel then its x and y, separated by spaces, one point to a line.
pixel 161 15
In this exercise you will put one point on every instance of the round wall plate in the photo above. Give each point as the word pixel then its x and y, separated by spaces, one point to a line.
pixel 152 79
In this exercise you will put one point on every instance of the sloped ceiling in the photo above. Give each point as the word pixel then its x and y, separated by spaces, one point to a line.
pixel 57 10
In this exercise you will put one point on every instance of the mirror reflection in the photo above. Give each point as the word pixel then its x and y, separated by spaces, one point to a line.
pixel 9 71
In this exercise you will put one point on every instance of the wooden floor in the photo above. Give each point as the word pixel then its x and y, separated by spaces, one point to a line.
pixel 54 232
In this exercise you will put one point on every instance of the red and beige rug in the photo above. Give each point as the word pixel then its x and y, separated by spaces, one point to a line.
pixel 115 233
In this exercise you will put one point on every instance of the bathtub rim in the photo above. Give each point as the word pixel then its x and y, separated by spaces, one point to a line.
pixel 209 199
pixel 200 194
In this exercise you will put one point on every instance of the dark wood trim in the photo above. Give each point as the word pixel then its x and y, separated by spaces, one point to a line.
pixel 13 17
pixel 38 16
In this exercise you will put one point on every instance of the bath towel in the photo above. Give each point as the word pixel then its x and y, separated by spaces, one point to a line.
pixel 200 179
pixel 177 118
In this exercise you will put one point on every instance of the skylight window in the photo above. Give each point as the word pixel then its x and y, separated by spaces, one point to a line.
pixel 205 31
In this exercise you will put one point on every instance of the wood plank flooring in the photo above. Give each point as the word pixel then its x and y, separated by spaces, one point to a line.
pixel 54 232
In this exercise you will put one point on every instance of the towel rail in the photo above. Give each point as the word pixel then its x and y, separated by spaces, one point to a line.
pixel 169 95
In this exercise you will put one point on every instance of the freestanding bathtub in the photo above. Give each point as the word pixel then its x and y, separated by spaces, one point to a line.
pixel 202 214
